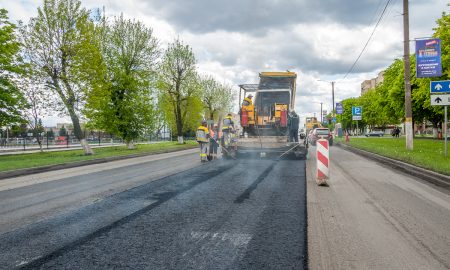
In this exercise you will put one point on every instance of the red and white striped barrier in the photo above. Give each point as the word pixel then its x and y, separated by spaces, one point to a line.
pixel 323 161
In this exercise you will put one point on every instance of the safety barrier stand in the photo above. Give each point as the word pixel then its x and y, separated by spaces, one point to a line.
pixel 323 162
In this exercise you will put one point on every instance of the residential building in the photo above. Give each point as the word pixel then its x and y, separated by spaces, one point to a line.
pixel 372 83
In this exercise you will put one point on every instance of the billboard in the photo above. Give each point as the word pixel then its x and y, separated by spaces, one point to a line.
pixel 428 58
pixel 339 108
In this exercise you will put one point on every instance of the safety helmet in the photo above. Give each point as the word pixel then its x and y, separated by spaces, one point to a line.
pixel 250 96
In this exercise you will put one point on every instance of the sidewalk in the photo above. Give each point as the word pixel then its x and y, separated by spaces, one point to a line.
pixel 53 148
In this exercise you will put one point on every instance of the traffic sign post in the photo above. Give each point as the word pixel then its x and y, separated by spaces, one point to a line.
pixel 440 96
pixel 437 87
pixel 445 130
pixel 443 100
pixel 357 115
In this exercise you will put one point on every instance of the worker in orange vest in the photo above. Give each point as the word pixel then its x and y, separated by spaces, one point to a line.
pixel 214 141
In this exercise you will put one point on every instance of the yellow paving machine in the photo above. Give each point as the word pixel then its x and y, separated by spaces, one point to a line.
pixel 263 130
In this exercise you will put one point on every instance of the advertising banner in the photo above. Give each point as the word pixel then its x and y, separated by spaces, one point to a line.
pixel 428 58
pixel 339 108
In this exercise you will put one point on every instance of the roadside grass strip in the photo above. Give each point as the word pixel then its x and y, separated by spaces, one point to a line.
pixel 22 161
pixel 428 154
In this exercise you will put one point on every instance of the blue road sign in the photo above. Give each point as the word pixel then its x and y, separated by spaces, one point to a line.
pixel 339 108
pixel 440 87
pixel 356 110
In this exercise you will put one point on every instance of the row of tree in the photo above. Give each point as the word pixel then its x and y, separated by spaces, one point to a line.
pixel 108 72
pixel 384 105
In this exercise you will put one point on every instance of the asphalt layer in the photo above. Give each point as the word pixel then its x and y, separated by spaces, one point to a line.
pixel 245 214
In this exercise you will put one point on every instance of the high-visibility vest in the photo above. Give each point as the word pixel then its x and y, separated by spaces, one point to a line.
pixel 202 134
pixel 227 123
pixel 247 101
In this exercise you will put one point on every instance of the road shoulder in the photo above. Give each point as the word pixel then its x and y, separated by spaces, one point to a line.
pixel 373 217
pixel 41 169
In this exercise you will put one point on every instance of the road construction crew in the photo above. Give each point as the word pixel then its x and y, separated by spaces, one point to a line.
pixel 248 100
pixel 293 124
pixel 227 129
pixel 213 141
pixel 203 140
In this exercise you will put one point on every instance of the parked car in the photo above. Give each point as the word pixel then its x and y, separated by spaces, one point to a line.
pixel 320 133
pixel 375 133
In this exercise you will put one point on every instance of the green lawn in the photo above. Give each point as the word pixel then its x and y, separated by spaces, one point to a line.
pixel 20 161
pixel 427 153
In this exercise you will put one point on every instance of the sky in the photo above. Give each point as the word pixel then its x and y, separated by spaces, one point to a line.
pixel 234 40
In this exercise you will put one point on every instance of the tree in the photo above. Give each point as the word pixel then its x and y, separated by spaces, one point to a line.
pixel 59 45
pixel 122 104
pixel 62 131
pixel 179 88
pixel 11 99
pixel 50 133
pixel 442 31
pixel 217 98
pixel 33 91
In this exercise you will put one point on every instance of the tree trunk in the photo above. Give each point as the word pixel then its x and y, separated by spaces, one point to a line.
pixel 39 143
pixel 179 121
pixel 435 130
pixel 131 145
pixel 78 133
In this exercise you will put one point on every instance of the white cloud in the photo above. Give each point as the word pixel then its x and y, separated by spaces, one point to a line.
pixel 314 48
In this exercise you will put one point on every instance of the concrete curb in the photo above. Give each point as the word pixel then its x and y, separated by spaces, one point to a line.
pixel 424 174
pixel 28 171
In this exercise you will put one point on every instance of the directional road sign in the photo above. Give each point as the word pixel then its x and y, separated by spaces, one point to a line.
pixel 440 100
pixel 440 87
pixel 339 108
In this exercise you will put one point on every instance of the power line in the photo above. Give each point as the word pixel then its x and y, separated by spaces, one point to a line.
pixel 368 40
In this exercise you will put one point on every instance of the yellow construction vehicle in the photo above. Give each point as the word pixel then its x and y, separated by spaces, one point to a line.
pixel 263 128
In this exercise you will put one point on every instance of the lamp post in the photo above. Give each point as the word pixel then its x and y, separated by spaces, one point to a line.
pixel 321 111
pixel 332 92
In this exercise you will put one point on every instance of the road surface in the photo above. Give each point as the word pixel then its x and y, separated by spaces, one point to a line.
pixel 372 217
pixel 159 212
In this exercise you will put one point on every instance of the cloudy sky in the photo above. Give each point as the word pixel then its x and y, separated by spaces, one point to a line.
pixel 234 40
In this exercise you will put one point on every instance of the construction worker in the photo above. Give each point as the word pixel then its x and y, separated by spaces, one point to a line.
pixel 248 100
pixel 227 129
pixel 293 125
pixel 203 140
pixel 214 141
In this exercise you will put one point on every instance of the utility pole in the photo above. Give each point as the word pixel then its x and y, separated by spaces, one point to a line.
pixel 332 92
pixel 321 113
pixel 407 68
pixel 332 96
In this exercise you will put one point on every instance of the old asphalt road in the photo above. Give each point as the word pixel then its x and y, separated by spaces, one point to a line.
pixel 372 217
pixel 157 213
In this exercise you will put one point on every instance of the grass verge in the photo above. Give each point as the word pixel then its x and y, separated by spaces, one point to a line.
pixel 22 161
pixel 428 154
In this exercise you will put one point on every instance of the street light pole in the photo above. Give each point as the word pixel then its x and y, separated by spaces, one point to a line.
pixel 321 113
pixel 407 65
pixel 332 92
pixel 332 95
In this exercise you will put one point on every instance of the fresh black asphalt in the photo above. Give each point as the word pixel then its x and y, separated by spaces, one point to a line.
pixel 245 214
